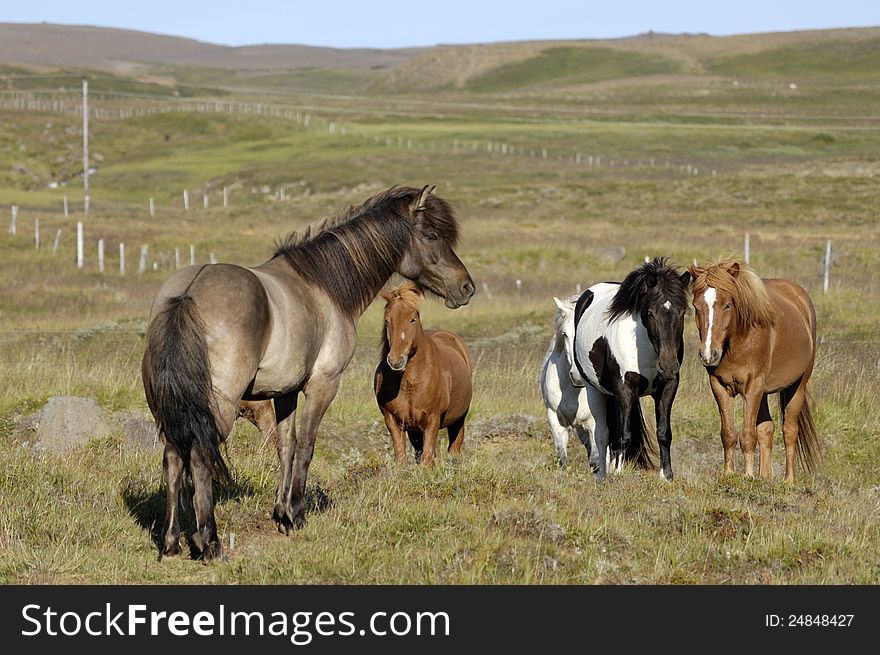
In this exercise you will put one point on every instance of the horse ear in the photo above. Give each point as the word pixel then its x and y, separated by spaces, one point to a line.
pixel 695 271
pixel 686 277
pixel 734 269
pixel 385 294
pixel 418 204
pixel 559 303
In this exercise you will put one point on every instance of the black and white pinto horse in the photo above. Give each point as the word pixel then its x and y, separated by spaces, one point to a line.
pixel 628 343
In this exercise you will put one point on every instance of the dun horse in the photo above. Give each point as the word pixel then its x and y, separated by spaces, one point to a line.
pixel 423 380
pixel 758 337
pixel 627 344
pixel 222 333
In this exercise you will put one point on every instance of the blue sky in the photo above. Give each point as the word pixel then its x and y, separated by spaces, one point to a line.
pixel 398 23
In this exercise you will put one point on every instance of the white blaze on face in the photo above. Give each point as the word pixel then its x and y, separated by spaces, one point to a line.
pixel 402 336
pixel 667 305
pixel 709 297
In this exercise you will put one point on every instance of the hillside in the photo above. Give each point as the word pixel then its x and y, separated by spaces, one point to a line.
pixel 120 50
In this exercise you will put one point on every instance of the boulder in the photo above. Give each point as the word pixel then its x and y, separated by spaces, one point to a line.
pixel 67 422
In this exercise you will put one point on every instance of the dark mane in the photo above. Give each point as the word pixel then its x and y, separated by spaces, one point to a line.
pixel 351 255
pixel 652 281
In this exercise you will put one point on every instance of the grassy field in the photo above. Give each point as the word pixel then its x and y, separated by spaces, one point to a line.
pixel 791 169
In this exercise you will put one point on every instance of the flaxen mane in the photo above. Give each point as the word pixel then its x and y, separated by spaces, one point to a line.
pixel 407 293
pixel 652 281
pixel 753 307
pixel 371 237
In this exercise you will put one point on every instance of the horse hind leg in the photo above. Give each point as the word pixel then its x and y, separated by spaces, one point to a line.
pixel 417 439
pixel 765 430
pixel 456 436
pixel 205 538
pixel 285 445
pixel 202 471
pixel 793 402
pixel 172 469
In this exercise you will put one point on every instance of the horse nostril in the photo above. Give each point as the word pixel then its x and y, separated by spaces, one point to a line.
pixel 467 289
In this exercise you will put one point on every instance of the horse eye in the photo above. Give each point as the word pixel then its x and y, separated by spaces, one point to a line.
pixel 727 306
pixel 412 320
pixel 431 236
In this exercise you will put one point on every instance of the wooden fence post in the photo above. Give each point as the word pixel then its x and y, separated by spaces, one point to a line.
pixel 122 258
pixel 100 255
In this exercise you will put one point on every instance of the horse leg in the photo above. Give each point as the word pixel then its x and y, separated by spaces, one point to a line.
pixel 765 439
pixel 560 436
pixel 172 469
pixel 317 396
pixel 663 399
pixel 395 429
pixel 417 439
pixel 431 433
pixel 285 444
pixel 456 436
pixel 598 403
pixel 749 439
pixel 728 430
pixel 205 537
pixel 626 399
pixel 791 401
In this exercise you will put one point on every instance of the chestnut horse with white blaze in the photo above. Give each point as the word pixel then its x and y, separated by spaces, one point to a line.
pixel 423 379
pixel 758 337
pixel 283 331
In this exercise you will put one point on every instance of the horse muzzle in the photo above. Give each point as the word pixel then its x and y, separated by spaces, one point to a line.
pixel 455 298
pixel 712 360
pixel 396 365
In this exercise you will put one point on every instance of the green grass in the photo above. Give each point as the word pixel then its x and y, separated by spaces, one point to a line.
pixel 842 61
pixel 790 172
pixel 566 66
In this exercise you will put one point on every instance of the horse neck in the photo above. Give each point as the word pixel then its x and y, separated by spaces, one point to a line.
pixel 349 268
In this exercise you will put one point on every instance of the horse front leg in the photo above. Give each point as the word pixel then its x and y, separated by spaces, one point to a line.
pixel 626 399
pixel 751 407
pixel 599 408
pixel 664 396
pixel 431 434
pixel 728 429
pixel 172 469
pixel 317 396
pixel 765 431
pixel 285 445
pixel 398 440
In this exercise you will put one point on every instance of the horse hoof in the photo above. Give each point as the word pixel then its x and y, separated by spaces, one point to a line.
pixel 213 552
pixel 170 551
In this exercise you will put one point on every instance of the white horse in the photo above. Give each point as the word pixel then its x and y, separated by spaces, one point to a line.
pixel 568 407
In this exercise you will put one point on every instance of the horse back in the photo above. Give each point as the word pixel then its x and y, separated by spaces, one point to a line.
pixel 452 346
pixel 794 332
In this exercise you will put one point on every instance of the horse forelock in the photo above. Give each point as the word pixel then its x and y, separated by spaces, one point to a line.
pixel 561 317
pixel 653 282
pixel 748 291
pixel 408 294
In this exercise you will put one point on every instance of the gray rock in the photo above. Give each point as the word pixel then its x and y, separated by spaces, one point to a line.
pixel 138 431
pixel 67 422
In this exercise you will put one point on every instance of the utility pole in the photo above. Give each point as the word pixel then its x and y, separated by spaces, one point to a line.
pixel 85 111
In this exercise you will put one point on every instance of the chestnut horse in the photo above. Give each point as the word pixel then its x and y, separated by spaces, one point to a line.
pixel 758 337
pixel 423 380
pixel 220 334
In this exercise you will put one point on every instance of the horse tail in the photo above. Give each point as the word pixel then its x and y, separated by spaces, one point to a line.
pixel 808 451
pixel 181 383
pixel 643 450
